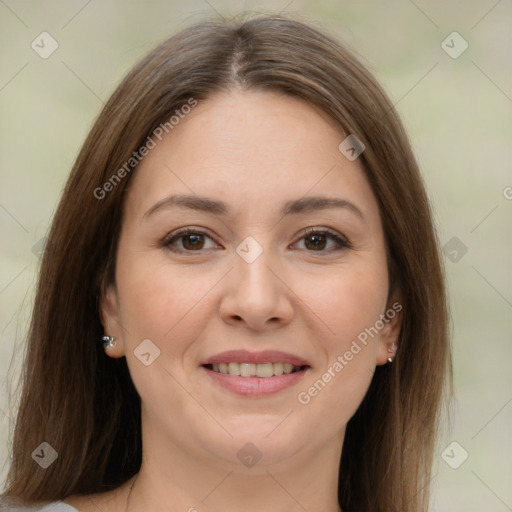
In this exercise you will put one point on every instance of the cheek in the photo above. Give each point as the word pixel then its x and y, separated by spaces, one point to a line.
pixel 169 307
pixel 159 300
pixel 347 303
pixel 347 323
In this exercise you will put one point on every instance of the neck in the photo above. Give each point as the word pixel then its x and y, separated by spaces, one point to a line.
pixel 171 478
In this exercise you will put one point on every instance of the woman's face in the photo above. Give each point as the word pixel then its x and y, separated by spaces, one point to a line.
pixel 270 278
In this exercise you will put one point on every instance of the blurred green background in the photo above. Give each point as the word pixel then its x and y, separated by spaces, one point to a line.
pixel 458 112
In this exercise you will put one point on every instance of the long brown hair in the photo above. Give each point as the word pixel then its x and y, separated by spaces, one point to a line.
pixel 84 404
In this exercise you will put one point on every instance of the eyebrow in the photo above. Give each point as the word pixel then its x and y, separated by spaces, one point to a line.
pixel 292 207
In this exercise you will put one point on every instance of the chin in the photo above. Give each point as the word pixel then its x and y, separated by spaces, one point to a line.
pixel 255 443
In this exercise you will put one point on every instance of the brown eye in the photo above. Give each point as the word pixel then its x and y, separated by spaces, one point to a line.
pixel 316 241
pixel 193 241
pixel 188 240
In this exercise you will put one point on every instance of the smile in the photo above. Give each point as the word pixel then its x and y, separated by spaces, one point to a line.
pixel 255 374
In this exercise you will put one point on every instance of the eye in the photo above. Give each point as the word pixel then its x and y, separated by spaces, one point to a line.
pixel 317 240
pixel 187 240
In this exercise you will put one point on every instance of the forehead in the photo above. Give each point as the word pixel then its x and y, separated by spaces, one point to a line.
pixel 249 147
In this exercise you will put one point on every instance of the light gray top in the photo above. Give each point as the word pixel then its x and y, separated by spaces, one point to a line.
pixel 10 505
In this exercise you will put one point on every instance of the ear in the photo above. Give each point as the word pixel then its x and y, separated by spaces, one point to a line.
pixel 389 334
pixel 109 316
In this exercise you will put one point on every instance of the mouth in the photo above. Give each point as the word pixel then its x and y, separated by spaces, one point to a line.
pixel 255 373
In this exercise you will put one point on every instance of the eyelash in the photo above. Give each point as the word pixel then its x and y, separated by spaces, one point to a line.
pixel 342 242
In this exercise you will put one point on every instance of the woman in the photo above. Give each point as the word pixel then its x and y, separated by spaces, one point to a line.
pixel 241 303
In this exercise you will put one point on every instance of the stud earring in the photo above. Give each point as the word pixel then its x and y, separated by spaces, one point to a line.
pixel 391 350
pixel 108 342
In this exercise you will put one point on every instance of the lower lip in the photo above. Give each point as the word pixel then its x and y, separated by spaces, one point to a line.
pixel 256 386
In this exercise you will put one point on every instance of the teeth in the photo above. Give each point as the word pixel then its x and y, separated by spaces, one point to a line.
pixel 234 369
pixel 265 370
pixel 262 370
pixel 247 369
pixel 278 368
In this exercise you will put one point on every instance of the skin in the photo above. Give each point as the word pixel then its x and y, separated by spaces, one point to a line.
pixel 254 151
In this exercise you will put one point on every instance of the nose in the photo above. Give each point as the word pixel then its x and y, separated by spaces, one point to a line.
pixel 256 294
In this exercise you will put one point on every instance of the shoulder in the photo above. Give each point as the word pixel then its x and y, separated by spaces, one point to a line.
pixel 113 499
pixel 13 505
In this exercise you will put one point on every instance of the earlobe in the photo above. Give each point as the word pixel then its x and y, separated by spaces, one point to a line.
pixel 109 316
pixel 392 352
pixel 390 333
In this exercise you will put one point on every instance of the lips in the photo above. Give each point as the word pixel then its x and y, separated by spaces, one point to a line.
pixel 265 356
pixel 255 373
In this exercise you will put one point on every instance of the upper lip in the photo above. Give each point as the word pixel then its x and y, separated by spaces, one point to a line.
pixel 264 356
